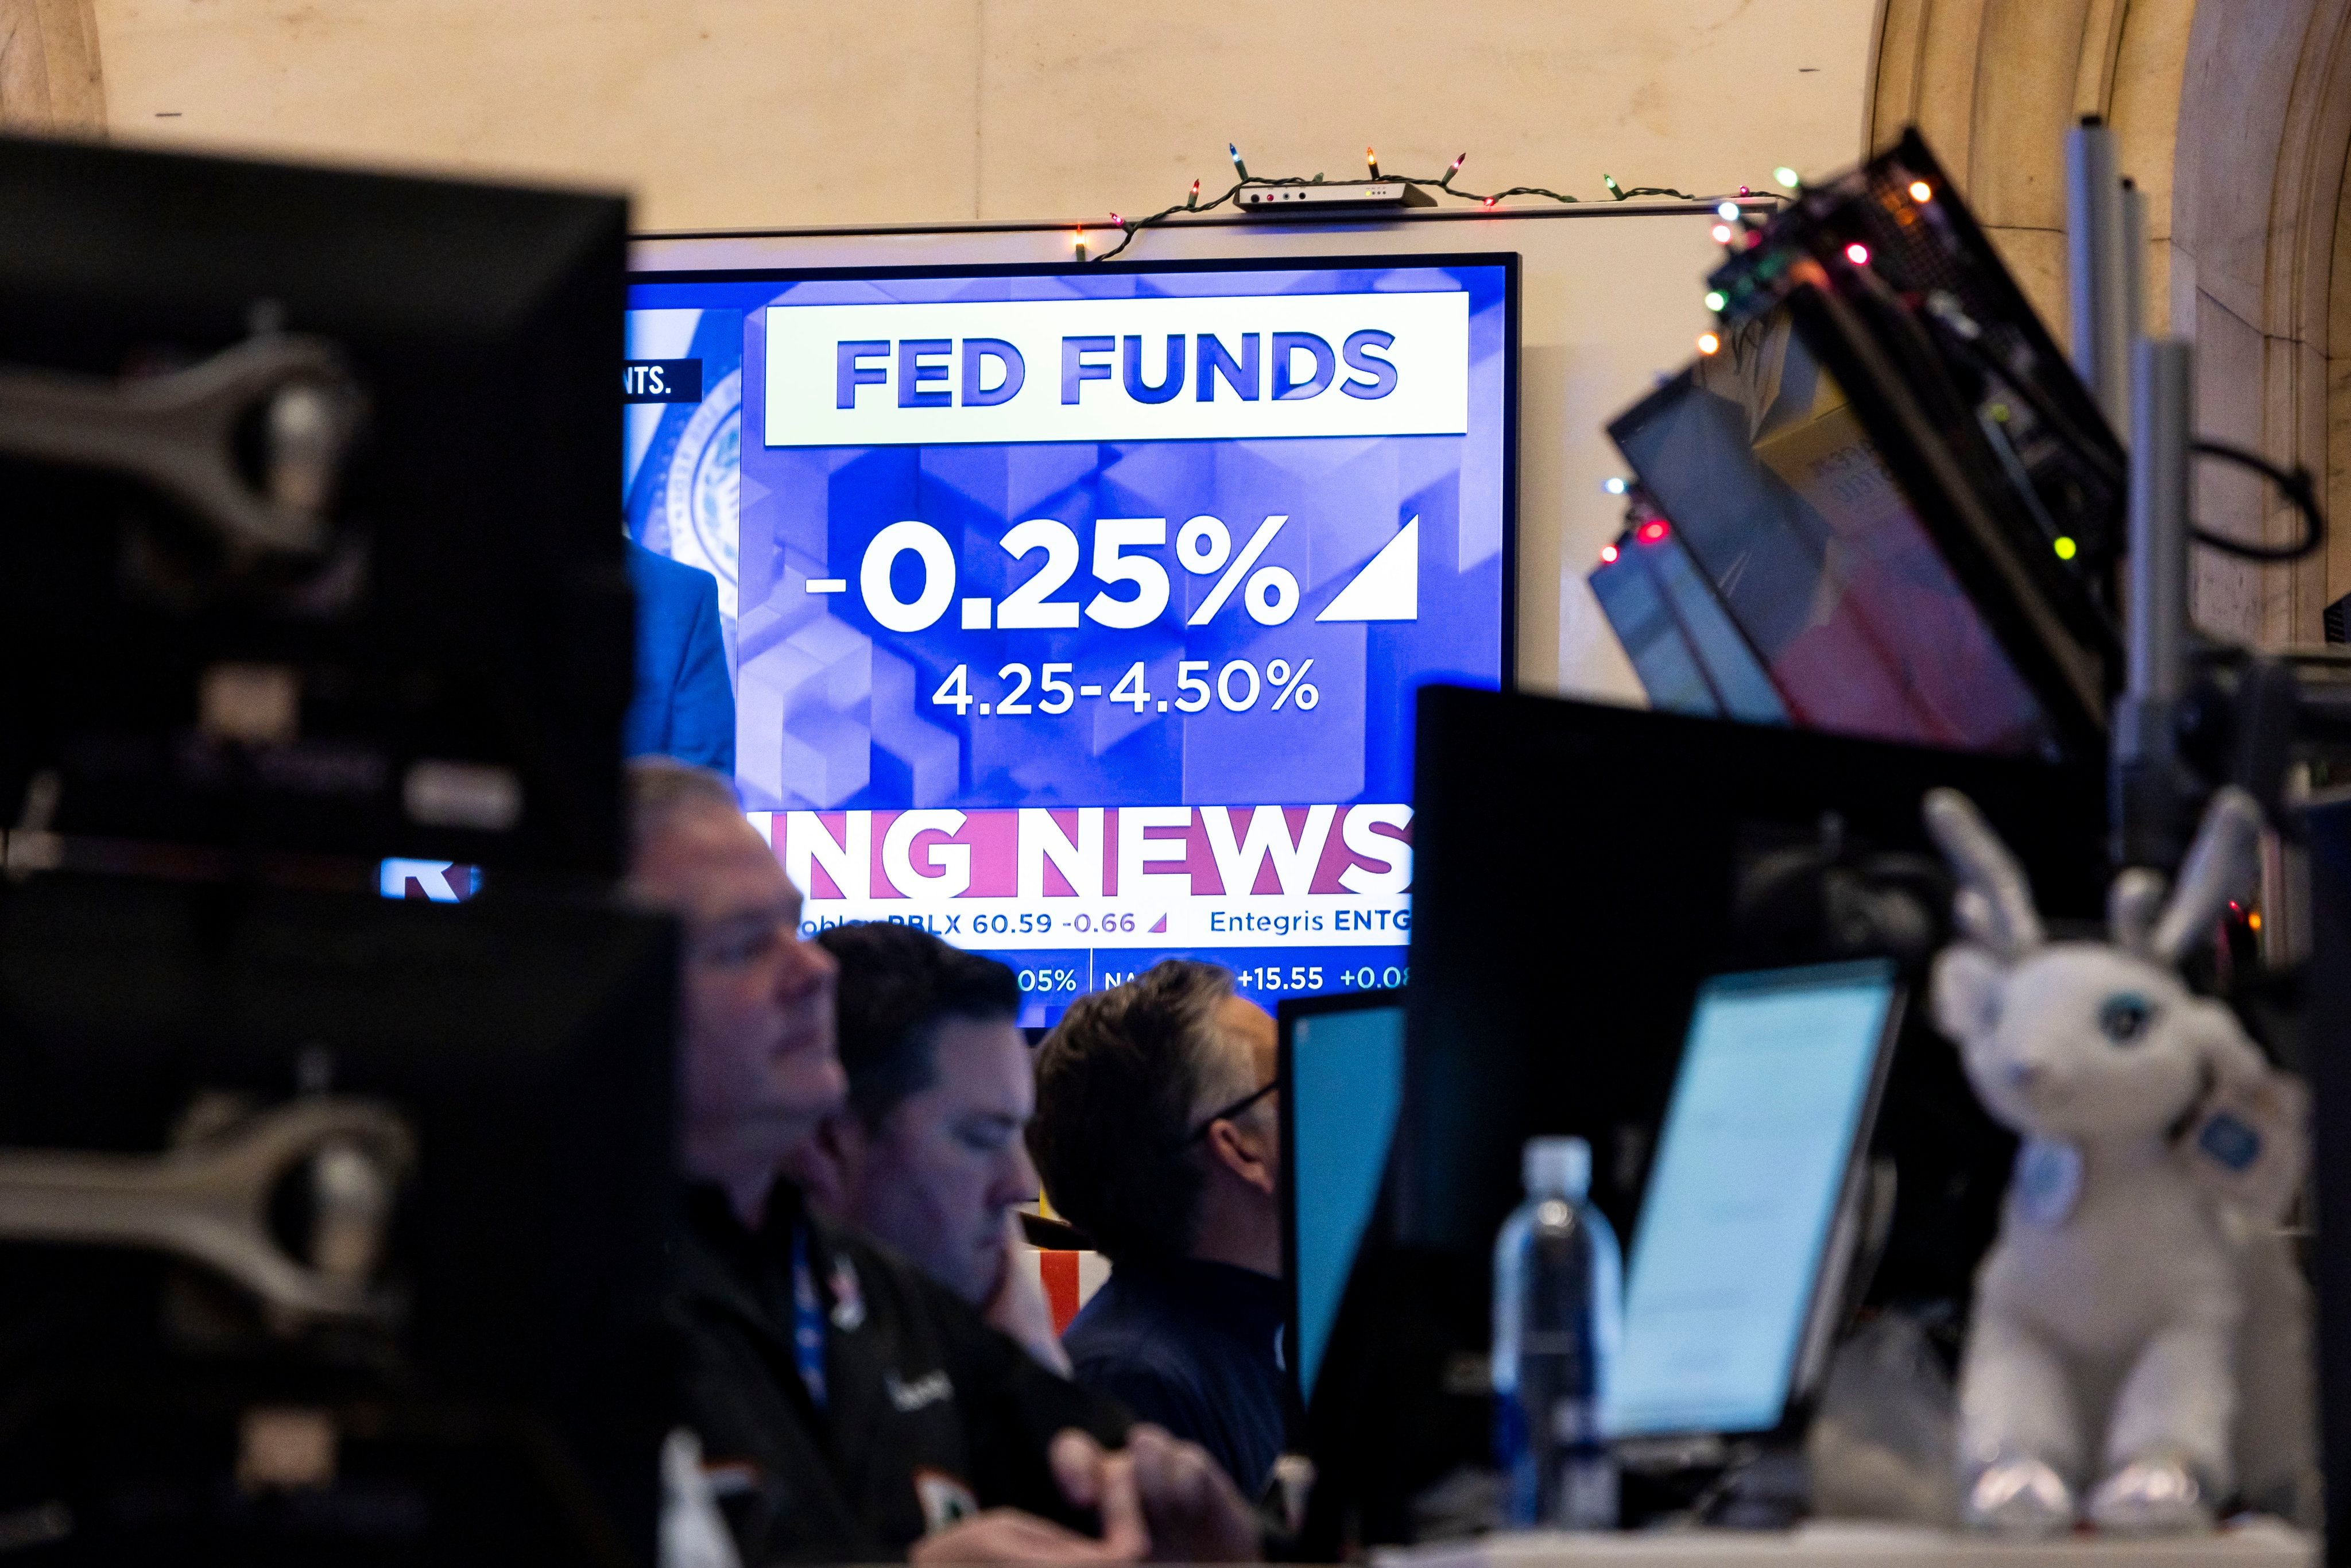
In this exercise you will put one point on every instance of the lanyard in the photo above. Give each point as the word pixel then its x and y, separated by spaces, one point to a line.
pixel 808 1320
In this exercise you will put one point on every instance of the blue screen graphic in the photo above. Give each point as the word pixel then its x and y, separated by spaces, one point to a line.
pixel 1077 616
pixel 1735 1225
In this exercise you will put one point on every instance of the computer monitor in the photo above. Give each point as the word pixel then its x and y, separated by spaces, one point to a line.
pixel 1580 871
pixel 1075 611
pixel 1686 646
pixel 310 546
pixel 1342 1075
pixel 1902 495
pixel 1737 1264
pixel 491 1391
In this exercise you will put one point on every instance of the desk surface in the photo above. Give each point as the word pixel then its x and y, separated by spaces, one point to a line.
pixel 2260 1542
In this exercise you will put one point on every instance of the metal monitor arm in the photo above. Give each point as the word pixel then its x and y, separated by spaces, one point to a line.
pixel 208 1202
pixel 179 434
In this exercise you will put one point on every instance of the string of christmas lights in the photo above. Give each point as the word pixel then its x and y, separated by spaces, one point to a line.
pixel 1130 227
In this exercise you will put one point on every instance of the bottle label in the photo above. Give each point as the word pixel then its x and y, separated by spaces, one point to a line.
pixel 1588 1492
pixel 1574 1421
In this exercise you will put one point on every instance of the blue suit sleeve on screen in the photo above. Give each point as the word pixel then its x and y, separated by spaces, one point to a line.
pixel 684 701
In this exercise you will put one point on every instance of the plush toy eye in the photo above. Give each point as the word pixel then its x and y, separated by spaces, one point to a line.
pixel 2125 1018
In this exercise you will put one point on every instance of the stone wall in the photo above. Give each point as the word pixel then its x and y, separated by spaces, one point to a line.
pixel 720 113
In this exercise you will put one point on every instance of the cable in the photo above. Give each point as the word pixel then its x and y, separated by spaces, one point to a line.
pixel 1133 226
pixel 2297 487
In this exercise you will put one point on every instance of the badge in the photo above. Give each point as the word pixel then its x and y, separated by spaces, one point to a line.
pixel 2048 1182
pixel 848 1300
pixel 945 1499
pixel 2249 1144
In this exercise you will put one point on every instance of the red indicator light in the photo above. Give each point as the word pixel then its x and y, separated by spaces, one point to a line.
pixel 1607 555
pixel 1858 254
pixel 1653 530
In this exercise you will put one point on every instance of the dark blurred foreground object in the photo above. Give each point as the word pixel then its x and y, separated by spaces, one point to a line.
pixel 2326 1050
pixel 307 545
pixel 332 1228
pixel 388 1185
pixel 1580 870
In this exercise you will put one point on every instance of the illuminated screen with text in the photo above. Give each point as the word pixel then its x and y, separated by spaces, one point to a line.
pixel 1076 616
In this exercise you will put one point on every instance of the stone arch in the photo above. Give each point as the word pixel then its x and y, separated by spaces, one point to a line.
pixel 2235 121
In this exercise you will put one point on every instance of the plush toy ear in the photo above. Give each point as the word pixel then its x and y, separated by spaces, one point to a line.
pixel 1965 991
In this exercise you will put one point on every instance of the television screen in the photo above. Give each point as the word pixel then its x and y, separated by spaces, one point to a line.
pixel 1075 615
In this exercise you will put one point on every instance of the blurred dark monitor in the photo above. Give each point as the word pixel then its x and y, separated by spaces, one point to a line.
pixel 446 678
pixel 1579 870
pixel 1690 653
pixel 2327 1053
pixel 510 1409
pixel 1886 490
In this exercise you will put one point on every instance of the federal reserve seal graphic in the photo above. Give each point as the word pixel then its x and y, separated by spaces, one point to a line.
pixel 701 495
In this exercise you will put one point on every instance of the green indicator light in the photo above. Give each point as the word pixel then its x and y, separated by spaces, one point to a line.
pixel 2064 547
pixel 1714 300
pixel 1787 177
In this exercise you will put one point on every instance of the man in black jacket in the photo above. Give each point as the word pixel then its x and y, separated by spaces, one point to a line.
pixel 849 1408
pixel 1157 1136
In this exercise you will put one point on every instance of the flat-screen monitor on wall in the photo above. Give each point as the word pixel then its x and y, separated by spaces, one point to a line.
pixel 1076 613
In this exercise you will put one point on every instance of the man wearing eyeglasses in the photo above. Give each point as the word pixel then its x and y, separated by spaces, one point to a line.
pixel 849 1408
pixel 1156 1135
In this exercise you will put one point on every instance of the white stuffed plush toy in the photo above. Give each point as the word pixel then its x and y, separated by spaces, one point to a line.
pixel 2108 1313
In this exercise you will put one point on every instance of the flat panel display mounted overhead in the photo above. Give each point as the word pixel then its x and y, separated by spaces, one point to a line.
pixel 1076 613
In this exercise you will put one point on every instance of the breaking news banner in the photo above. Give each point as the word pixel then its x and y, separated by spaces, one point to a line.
pixel 1076 616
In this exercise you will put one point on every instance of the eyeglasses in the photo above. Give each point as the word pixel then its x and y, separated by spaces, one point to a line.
pixel 1229 1111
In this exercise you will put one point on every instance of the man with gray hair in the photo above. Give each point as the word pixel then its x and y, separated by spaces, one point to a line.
pixel 849 1408
pixel 1155 1136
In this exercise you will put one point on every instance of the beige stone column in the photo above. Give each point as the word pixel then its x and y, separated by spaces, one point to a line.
pixel 49 77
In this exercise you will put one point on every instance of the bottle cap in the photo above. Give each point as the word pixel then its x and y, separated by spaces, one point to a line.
pixel 1557 1167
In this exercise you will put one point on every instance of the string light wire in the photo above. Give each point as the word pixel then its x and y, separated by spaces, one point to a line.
pixel 1195 203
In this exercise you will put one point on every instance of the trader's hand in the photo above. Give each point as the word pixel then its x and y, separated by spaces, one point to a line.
pixel 1008 1535
pixel 1018 1306
pixel 1187 1510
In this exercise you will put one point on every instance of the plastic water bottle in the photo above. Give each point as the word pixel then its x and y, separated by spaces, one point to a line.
pixel 1558 1315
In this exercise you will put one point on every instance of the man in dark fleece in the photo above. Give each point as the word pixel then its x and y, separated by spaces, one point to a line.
pixel 1156 1135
